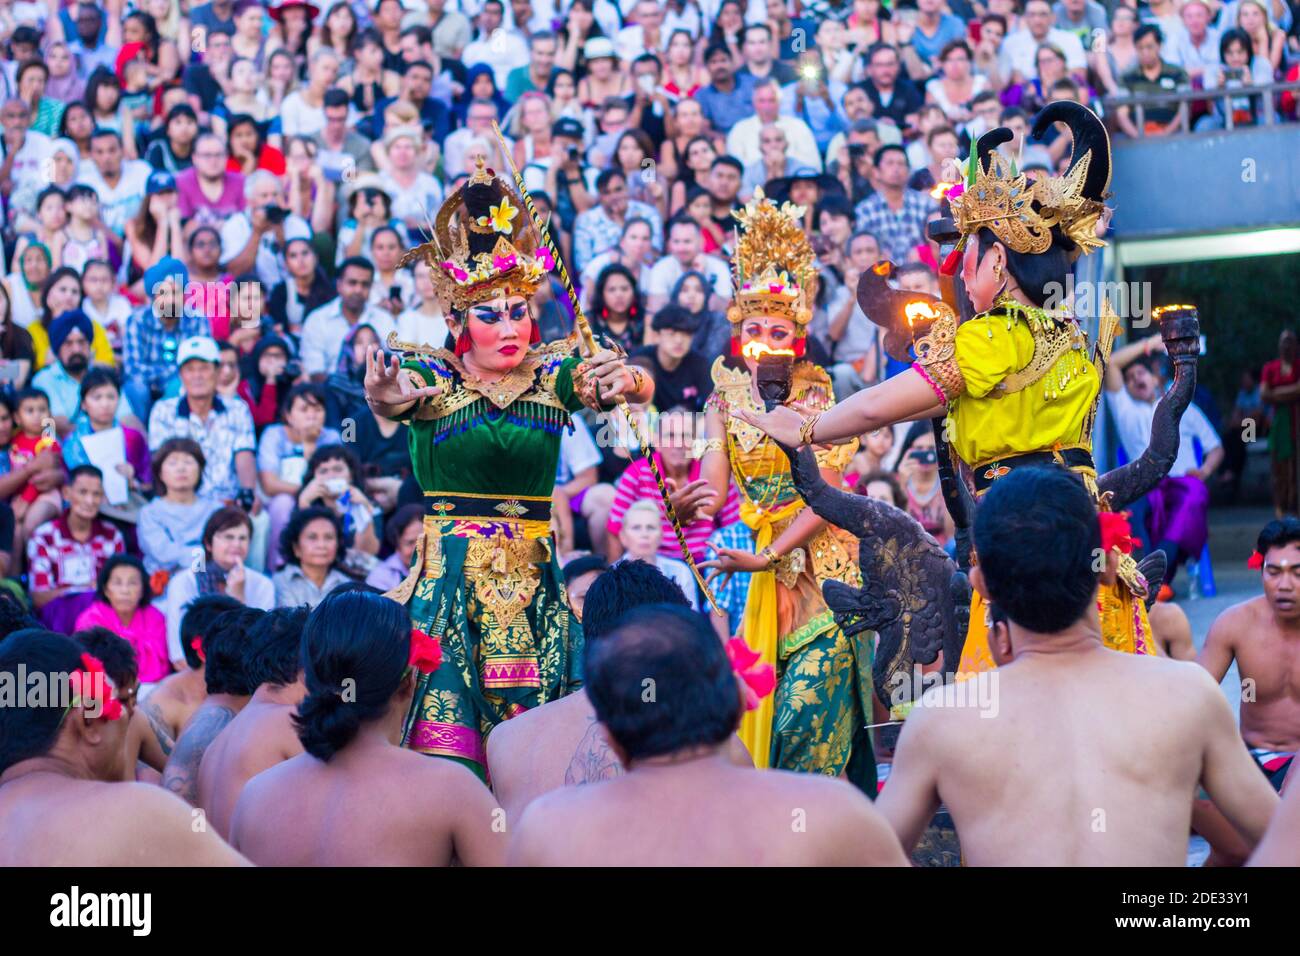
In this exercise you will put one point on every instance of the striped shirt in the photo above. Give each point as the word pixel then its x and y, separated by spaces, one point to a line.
pixel 638 482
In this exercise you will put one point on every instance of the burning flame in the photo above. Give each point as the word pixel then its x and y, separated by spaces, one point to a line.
pixel 882 268
pixel 940 190
pixel 919 310
pixel 755 350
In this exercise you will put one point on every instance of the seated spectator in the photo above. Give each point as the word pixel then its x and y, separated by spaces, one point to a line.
pixel 122 606
pixel 34 454
pixel 618 315
pixel 332 480
pixel 170 525
pixel 882 486
pixel 599 228
pixel 254 240
pixel 250 152
pixel 303 289
pixel 208 191
pixel 353 759
pixel 424 322
pixel 155 333
pixel 918 473
pixel 70 338
pixel 1234 71
pixel 106 308
pixel 102 408
pixel 685 253
pixel 303 111
pixel 264 376
pixel 743 139
pixel 282 455
pixel 65 556
pixel 694 293
pixel 324 329
pixel 83 239
pixel 173 150
pixel 83 759
pixel 312 545
pixel 634 250
pixel 226 538
pixel 682 376
pixel 393 289
pixel 401 533
pixel 894 214
pixel 223 430
pixel 341 150
pixel 62 292
pixel 1152 75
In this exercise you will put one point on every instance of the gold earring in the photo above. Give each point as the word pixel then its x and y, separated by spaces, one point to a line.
pixel 997 271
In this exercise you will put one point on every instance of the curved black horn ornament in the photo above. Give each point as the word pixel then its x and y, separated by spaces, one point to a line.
pixel 1090 138
pixel 887 307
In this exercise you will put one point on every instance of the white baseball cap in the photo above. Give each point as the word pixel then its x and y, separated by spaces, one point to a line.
pixel 198 347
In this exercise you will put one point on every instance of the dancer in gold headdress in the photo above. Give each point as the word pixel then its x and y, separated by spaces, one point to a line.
pixel 485 419
pixel 817 717
pixel 1016 381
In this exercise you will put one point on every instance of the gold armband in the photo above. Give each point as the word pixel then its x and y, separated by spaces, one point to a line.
pixel 807 428
pixel 787 569
pixel 936 356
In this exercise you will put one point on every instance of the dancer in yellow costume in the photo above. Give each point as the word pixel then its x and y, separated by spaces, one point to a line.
pixel 816 720
pixel 1016 381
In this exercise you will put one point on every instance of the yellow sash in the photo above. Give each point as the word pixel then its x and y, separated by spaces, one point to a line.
pixel 760 626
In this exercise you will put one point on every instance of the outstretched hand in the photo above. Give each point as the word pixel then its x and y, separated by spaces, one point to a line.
pixel 387 383
pixel 729 561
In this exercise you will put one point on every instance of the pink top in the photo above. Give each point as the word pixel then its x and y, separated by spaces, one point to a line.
pixel 147 633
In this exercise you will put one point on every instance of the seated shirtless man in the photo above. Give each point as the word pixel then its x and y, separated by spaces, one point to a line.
pixel 681 800
pixel 560 743
pixel 356 797
pixel 62 798
pixel 262 734
pixel 158 719
pixel 1263 636
pixel 1092 756
pixel 225 675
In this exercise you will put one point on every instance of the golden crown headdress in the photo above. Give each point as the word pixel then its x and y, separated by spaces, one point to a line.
pixel 483 245
pixel 774 268
pixel 996 195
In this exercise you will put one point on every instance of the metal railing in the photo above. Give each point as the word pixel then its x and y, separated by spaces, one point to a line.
pixel 1266 93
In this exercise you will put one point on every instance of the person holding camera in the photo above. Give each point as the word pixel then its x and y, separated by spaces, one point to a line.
pixel 254 240
pixel 567 175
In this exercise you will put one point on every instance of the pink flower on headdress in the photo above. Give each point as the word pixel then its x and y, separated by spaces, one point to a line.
pixel 955 191
pixel 455 271
pixel 545 258
pixel 504 263
pixel 775 287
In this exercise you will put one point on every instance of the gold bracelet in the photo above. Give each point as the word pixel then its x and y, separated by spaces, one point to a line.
pixel 773 559
pixel 807 428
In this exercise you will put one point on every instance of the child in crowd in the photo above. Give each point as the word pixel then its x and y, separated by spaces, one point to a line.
pixel 106 307
pixel 35 435
pixel 83 239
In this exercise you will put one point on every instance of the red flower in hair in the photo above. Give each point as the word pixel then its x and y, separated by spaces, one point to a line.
pixel 1116 533
pixel 759 679
pixel 90 684
pixel 426 652
pixel 1256 561
pixel 197 645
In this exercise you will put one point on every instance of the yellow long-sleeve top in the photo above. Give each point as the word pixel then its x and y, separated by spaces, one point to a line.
pixel 988 423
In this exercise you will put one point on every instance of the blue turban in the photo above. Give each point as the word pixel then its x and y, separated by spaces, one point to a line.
pixel 62 327
pixel 162 270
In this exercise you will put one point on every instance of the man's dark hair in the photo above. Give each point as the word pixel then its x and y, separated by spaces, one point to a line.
pixel 888 147
pixel 879 47
pixel 1146 30
pixel 1278 533
pixel 87 469
pixel 226 650
pixel 100 132
pixel 97 377
pixel 31 730
pixel 583 565
pixel 275 646
pixel 114 652
pixel 715 49
pixel 200 614
pixel 1012 112
pixel 682 219
pixel 356 262
pixel 673 652
pixel 419 64
pixel 608 176
pixel 1037 536
pixel 728 160
pixel 28 67
pixel 626 585
pixel 335 97
pixel 354 634
pixel 755 26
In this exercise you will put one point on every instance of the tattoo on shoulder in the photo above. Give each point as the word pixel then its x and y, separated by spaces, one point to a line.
pixel 162 733
pixel 182 774
pixel 593 760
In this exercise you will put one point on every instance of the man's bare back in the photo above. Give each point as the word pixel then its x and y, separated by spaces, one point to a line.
pixel 372 804
pixel 705 812
pixel 158 719
pixel 560 744
pixel 1090 757
pixel 48 819
pixel 1173 631
pixel 261 736
pixel 1268 659
pixel 181 775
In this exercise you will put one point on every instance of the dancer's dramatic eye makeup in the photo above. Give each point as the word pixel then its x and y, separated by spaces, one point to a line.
pixel 491 316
